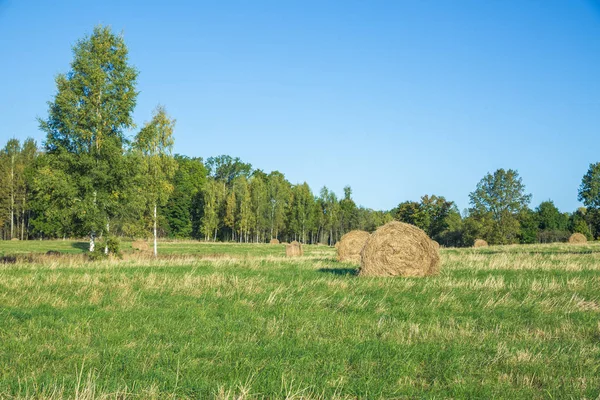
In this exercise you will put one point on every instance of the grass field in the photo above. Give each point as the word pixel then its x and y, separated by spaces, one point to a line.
pixel 242 321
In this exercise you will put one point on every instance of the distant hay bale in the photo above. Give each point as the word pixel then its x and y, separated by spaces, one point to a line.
pixel 435 244
pixel 350 246
pixel 293 249
pixel 14 239
pixel 140 245
pixel 577 238
pixel 274 241
pixel 480 243
pixel 399 249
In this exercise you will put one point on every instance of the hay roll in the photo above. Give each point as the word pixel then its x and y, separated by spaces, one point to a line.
pixel 399 249
pixel 480 243
pixel 350 246
pixel 274 241
pixel 435 244
pixel 293 249
pixel 577 238
pixel 140 245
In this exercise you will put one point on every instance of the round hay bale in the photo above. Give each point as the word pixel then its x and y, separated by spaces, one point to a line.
pixel 577 238
pixel 14 239
pixel 435 244
pixel 140 245
pixel 293 249
pixel 480 243
pixel 274 241
pixel 350 246
pixel 399 249
pixel 337 244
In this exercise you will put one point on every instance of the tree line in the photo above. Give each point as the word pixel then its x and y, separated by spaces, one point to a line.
pixel 90 179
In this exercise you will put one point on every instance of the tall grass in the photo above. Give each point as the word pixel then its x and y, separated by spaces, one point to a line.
pixel 242 321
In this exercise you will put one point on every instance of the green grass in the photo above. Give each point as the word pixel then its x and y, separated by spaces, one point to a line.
pixel 165 248
pixel 242 321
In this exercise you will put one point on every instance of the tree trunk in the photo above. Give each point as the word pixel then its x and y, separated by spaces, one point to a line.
pixel 92 241
pixel 106 242
pixel 23 221
pixel 155 244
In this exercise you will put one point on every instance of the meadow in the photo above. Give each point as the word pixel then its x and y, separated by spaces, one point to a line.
pixel 241 321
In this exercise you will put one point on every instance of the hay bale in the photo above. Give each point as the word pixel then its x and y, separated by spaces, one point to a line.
pixel 274 241
pixel 336 245
pixel 140 245
pixel 480 243
pixel 350 246
pixel 577 238
pixel 435 244
pixel 293 249
pixel 399 249
pixel 14 239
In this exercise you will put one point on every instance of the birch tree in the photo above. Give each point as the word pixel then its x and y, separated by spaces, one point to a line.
pixel 85 128
pixel 10 171
pixel 155 143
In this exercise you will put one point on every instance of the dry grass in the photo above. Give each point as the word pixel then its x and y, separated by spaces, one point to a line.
pixel 577 238
pixel 294 249
pixel 399 249
pixel 350 246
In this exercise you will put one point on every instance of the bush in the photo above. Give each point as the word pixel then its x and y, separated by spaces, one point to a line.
pixel 111 243
pixel 553 236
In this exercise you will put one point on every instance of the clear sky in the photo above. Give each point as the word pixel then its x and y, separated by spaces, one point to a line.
pixel 394 98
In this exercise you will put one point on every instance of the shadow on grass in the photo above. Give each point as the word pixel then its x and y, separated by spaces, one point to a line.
pixel 548 252
pixel 339 271
pixel 83 246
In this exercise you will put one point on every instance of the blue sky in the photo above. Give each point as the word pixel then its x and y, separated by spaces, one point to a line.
pixel 395 98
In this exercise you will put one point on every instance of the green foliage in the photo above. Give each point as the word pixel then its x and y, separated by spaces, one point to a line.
pixel 182 209
pixel 579 223
pixel 225 168
pixel 302 209
pixel 431 214
pixel 452 234
pixel 97 255
pixel 85 128
pixel 213 195
pixel 589 191
pixel 550 218
pixel 499 198
pixel 16 160
pixel 528 226
pixel 278 192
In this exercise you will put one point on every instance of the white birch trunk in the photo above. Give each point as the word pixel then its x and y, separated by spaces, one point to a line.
pixel 155 244
pixel 107 230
